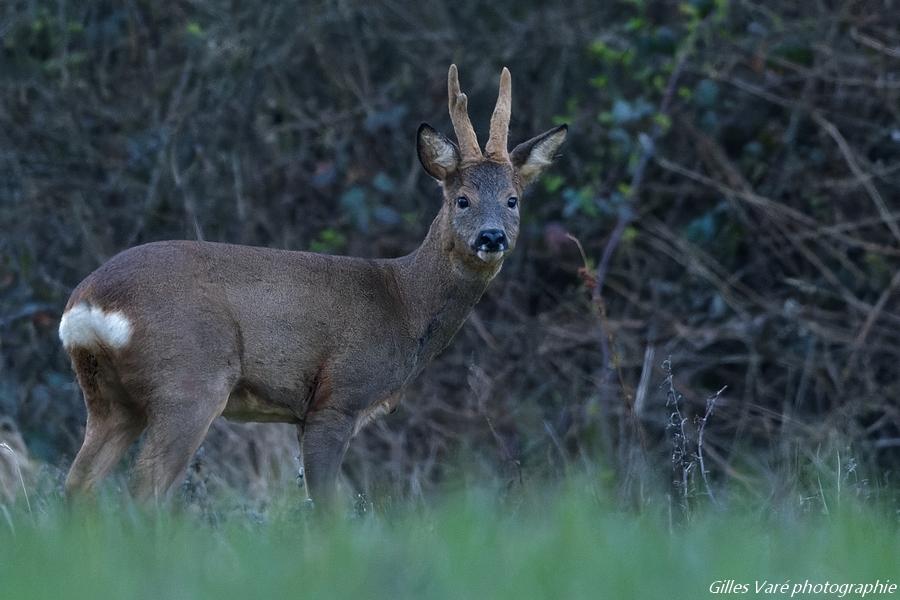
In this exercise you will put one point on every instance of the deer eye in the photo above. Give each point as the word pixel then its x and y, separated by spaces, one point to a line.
pixel 462 202
pixel 512 202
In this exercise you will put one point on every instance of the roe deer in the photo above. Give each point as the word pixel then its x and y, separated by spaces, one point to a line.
pixel 167 336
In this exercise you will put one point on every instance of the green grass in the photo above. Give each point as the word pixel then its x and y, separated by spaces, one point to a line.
pixel 475 546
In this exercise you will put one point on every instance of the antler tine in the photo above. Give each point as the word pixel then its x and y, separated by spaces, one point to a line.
pixel 496 148
pixel 459 114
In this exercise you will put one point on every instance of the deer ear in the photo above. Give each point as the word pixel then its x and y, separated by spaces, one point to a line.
pixel 438 155
pixel 532 157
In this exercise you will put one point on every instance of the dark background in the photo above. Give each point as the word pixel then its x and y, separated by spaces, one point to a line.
pixel 738 164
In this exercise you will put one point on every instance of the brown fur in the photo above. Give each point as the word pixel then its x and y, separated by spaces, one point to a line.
pixel 259 334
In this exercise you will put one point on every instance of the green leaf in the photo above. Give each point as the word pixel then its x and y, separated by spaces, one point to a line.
pixel 599 81
pixel 353 202
pixel 706 93
pixel 552 183
pixel 193 29
pixel 329 240
pixel 383 183
pixel 599 49
pixel 664 121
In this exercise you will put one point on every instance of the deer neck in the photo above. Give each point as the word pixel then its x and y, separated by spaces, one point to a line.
pixel 439 288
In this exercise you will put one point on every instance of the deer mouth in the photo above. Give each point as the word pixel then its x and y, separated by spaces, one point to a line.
pixel 490 255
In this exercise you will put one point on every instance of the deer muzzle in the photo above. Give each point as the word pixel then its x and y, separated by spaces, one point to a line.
pixel 490 245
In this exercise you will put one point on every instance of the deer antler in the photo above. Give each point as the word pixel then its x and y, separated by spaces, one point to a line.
pixel 496 148
pixel 459 114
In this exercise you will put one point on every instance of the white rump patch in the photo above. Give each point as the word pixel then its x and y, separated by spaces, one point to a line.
pixel 87 326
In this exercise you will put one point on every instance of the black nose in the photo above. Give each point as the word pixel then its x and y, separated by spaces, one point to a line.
pixel 491 240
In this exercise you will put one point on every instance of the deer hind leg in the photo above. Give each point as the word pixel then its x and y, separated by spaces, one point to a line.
pixel 107 437
pixel 174 432
pixel 112 424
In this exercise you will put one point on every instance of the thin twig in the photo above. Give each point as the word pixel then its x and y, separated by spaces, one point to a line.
pixel 870 42
pixel 710 406
pixel 876 311
pixel 850 157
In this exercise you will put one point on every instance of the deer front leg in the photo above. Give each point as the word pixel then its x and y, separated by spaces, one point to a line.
pixel 326 436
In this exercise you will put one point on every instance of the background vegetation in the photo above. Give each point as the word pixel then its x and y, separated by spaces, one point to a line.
pixel 731 174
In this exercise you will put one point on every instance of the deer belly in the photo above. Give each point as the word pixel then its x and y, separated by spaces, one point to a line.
pixel 244 405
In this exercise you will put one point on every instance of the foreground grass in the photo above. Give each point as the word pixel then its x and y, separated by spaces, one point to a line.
pixel 473 547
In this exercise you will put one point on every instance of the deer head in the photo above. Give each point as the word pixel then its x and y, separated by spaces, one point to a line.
pixel 482 192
